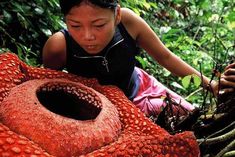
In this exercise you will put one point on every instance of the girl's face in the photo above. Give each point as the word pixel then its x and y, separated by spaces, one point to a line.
pixel 92 27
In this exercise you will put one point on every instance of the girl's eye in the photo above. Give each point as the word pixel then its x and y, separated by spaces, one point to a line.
pixel 75 26
pixel 99 26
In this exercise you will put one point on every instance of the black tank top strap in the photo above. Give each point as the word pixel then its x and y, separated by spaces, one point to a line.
pixel 128 37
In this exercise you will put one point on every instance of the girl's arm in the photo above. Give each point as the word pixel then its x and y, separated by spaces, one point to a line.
pixel 148 40
pixel 54 52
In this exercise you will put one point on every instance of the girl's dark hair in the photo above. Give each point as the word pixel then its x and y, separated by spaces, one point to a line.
pixel 66 5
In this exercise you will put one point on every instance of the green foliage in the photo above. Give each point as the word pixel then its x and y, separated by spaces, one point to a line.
pixel 140 7
pixel 26 25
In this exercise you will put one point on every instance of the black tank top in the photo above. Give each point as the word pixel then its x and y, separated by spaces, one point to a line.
pixel 114 65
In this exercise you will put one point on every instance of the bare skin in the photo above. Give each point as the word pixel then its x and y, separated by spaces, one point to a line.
pixel 93 27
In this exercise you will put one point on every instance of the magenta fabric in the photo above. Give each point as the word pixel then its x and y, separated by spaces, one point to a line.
pixel 151 94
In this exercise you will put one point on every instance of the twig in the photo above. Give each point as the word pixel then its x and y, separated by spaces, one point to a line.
pixel 191 94
pixel 229 154
pixel 218 132
pixel 226 149
pixel 218 139
pixel 198 29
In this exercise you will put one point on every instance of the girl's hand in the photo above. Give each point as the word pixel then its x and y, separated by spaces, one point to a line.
pixel 227 81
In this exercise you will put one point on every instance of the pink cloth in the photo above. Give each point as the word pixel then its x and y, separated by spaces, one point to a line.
pixel 151 94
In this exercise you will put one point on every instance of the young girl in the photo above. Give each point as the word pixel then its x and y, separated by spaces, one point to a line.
pixel 102 40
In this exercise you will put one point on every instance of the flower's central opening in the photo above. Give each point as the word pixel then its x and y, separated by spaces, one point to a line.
pixel 73 103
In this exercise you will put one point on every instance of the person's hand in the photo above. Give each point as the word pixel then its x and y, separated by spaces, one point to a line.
pixel 227 80
pixel 226 83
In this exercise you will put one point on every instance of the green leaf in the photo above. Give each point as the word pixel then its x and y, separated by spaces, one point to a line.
pixel 153 5
pixel 146 5
pixel 205 4
pixel 177 85
pixel 231 16
pixel 39 11
pixel 166 73
pixel 136 11
pixel 196 80
pixel 22 20
pixel 186 81
pixel 47 32
pixel 142 61
pixel 231 25
pixel 7 16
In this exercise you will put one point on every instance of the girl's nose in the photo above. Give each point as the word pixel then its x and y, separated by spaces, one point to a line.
pixel 89 35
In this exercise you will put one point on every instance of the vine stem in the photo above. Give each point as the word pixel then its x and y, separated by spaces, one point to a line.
pixel 198 29
pixel 220 131
pixel 193 93
pixel 218 139
pixel 229 154
pixel 226 149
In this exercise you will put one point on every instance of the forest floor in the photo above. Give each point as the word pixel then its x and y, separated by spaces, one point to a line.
pixel 214 130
